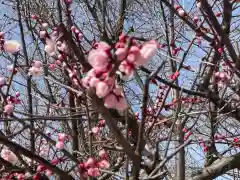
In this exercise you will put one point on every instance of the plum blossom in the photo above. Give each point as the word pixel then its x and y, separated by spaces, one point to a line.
pixel 11 46
pixel 94 172
pixel 8 109
pixel 60 145
pixel 104 164
pixel 9 156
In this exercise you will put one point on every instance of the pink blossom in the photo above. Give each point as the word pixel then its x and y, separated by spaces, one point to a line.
pixel 102 89
pixel 51 67
pixel 90 162
pixel 9 156
pixel 103 46
pixel 93 82
pixel 20 177
pixel 122 104
pixel 94 172
pixel 12 46
pixel 45 25
pixel 102 154
pixel 42 34
pixel 110 101
pixel 127 68
pixel 35 71
pixel 48 172
pixel 181 12
pixel 62 137
pixel 95 130
pixel 131 58
pixel 50 47
pixel 17 94
pixel 104 164
pixel 121 53
pixel 8 109
pixel 37 64
pixel 60 145
pixel 147 51
pixel 98 59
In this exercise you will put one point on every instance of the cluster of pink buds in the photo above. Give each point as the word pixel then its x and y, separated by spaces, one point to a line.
pixel 91 166
pixel 9 156
pixel 36 69
pixel 236 142
pixel 61 138
pixel 203 145
pixel 10 46
pixel 221 78
pixel 174 76
pixel 129 57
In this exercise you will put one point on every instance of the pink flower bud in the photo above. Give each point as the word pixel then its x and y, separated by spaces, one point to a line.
pixel 181 12
pixel 94 172
pixel 61 137
pixel 60 145
pixel 90 162
pixel 73 28
pixel 17 94
pixel 37 64
pixel 48 172
pixel 8 109
pixel 95 130
pixel 102 89
pixel 104 164
pixel 42 34
pixel 102 154
pixel 51 67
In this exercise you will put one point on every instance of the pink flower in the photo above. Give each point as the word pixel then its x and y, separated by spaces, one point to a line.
pixel 95 130
pixel 9 156
pixel 48 172
pixel 94 172
pixel 122 104
pixel 102 154
pixel 104 164
pixel 61 137
pixel 37 64
pixel 8 109
pixel 90 162
pixel 12 46
pixel 110 101
pixel 118 91
pixel 102 89
pixel 121 53
pixel 45 25
pixel 17 94
pixel 93 82
pixel 20 177
pixel 147 51
pixel 98 59
pixel 103 46
pixel 42 34
pixel 50 47
pixel 51 67
pixel 60 145
pixel 35 71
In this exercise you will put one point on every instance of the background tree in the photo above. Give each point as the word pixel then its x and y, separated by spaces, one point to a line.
pixel 119 89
